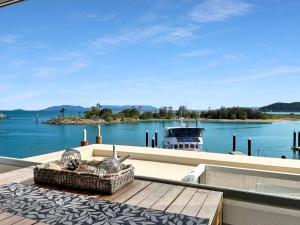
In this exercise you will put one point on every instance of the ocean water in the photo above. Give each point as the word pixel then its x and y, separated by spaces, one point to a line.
pixel 21 136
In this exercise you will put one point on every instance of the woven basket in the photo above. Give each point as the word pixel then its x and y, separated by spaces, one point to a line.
pixel 108 184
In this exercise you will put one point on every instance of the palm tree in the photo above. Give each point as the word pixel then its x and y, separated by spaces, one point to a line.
pixel 98 105
pixel 62 111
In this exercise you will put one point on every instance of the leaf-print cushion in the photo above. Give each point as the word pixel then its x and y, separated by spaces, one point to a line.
pixel 54 207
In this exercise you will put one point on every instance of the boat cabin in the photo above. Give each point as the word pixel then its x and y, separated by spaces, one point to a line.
pixel 186 138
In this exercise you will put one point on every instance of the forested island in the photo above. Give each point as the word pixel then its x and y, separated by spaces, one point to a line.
pixel 282 107
pixel 97 115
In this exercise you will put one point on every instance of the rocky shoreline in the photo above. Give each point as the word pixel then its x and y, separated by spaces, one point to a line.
pixel 73 121
pixel 84 121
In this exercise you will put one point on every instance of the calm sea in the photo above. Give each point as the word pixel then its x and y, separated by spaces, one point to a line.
pixel 21 136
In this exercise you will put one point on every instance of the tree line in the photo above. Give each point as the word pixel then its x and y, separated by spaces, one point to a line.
pixel 167 112
pixel 235 113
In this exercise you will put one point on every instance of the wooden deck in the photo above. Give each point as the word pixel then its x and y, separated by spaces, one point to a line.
pixel 169 198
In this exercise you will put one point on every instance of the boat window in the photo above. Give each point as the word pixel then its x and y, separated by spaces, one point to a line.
pixel 176 146
pixel 170 146
pixel 186 146
pixel 196 146
pixel 185 132
pixel 181 146
pixel 192 146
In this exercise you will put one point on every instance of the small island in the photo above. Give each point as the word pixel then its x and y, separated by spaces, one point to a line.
pixel 100 115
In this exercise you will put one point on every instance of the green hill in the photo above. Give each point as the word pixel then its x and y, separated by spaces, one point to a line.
pixel 282 107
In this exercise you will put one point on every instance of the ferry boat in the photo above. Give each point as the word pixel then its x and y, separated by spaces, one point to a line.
pixel 183 138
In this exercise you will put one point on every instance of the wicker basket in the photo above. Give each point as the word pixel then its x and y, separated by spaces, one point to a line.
pixel 108 184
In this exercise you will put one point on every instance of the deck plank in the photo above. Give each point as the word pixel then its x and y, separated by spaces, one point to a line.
pixel 129 193
pixel 26 221
pixel 168 198
pixel 136 185
pixel 210 206
pixel 181 201
pixel 155 196
pixel 16 176
pixel 136 199
pixel 4 215
pixel 194 205
pixel 11 220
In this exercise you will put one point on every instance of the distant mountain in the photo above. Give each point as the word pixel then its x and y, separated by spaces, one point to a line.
pixel 19 110
pixel 66 107
pixel 115 108
pixel 282 107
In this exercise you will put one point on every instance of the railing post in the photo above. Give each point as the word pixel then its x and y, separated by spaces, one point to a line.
pixel 234 142
pixel 153 142
pixel 249 146
pixel 294 139
pixel 156 137
pixel 99 137
pixel 84 141
pixel 147 138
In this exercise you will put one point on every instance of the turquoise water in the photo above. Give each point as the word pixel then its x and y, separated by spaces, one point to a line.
pixel 21 136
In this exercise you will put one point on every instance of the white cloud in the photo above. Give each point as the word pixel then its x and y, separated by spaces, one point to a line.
pixel 276 71
pixel 197 53
pixel 153 33
pixel 66 55
pixel 55 71
pixel 93 16
pixel 219 10
pixel 174 34
pixel 44 72
pixel 8 39
pixel 21 95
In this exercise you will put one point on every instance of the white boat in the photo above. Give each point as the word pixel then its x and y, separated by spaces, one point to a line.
pixel 183 138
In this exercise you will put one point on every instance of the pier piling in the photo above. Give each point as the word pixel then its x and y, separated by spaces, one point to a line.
pixel 249 146
pixel 147 138
pixel 99 137
pixel 84 141
pixel 234 142
pixel 294 139
pixel 153 140
pixel 156 137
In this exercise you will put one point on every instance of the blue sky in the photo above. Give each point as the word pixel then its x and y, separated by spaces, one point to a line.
pixel 205 53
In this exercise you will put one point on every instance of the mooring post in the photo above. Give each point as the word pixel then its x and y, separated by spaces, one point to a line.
pixel 234 142
pixel 84 141
pixel 294 139
pixel 153 140
pixel 156 137
pixel 99 137
pixel 147 138
pixel 249 146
